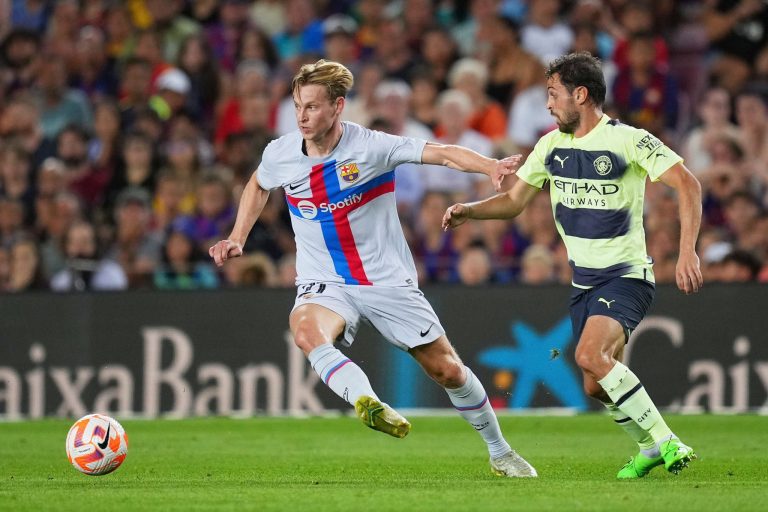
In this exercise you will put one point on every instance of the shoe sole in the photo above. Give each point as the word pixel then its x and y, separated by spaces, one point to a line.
pixel 678 465
pixel 379 417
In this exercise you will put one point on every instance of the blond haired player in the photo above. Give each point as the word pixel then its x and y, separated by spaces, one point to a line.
pixel 352 259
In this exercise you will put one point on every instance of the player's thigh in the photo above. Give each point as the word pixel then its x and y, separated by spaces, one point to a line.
pixel 609 313
pixel 402 315
pixel 322 313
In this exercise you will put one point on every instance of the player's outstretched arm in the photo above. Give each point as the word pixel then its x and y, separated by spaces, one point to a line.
pixel 688 188
pixel 501 206
pixel 251 204
pixel 464 159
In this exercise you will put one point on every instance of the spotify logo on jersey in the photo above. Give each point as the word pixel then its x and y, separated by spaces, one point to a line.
pixel 307 209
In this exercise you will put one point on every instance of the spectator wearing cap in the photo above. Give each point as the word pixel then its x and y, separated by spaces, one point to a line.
pixel 173 86
pixel 393 105
pixel 85 270
pixel 135 248
pixel 339 32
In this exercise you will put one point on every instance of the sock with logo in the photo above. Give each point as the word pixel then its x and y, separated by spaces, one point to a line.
pixel 631 398
pixel 643 439
pixel 472 403
pixel 339 373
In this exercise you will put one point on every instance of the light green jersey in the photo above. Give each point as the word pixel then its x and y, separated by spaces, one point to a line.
pixel 597 185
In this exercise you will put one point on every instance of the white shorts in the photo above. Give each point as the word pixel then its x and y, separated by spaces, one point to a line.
pixel 401 314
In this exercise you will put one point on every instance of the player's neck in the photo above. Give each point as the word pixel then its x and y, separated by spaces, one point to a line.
pixel 589 119
pixel 324 146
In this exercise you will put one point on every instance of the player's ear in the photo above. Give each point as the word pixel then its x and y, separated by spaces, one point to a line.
pixel 580 94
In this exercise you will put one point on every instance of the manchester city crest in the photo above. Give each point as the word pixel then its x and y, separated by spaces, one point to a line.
pixel 349 172
pixel 603 165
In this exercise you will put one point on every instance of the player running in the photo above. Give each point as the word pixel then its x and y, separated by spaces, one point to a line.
pixel 352 259
pixel 596 168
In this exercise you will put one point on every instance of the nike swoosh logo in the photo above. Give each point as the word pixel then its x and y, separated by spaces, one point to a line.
pixel 294 187
pixel 422 334
pixel 103 444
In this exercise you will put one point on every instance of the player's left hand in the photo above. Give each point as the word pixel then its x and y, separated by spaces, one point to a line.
pixel 504 167
pixel 688 273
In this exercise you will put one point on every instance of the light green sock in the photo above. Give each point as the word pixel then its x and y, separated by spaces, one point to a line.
pixel 632 399
pixel 643 439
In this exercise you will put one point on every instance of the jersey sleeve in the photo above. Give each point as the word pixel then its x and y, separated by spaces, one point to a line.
pixel 266 177
pixel 534 170
pixel 652 155
pixel 394 150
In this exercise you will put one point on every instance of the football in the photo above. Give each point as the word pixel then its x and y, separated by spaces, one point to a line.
pixel 96 444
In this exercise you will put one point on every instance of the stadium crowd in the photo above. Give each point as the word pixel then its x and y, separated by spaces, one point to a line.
pixel 128 128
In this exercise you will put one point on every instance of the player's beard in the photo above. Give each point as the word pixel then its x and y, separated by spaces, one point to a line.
pixel 569 121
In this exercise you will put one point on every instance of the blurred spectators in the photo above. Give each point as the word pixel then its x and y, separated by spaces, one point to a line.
pixel 135 126
pixel 84 269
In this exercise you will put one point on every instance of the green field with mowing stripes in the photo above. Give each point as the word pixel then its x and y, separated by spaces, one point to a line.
pixel 333 464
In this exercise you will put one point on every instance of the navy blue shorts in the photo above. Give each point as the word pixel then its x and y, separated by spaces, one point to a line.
pixel 626 300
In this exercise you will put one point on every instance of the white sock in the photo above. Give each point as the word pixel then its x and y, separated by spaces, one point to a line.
pixel 339 373
pixel 632 399
pixel 643 439
pixel 472 403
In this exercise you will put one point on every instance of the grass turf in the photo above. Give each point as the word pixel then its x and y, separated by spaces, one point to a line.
pixel 337 464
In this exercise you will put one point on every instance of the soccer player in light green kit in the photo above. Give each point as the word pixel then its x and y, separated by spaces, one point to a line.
pixel 597 168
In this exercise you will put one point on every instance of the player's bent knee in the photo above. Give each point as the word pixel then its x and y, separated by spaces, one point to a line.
pixel 449 374
pixel 307 338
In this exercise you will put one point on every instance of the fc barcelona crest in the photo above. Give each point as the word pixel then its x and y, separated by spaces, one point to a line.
pixel 349 172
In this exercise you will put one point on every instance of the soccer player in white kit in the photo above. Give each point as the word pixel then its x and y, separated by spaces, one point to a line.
pixel 352 259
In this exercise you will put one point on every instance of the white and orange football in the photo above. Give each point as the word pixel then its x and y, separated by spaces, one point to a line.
pixel 96 444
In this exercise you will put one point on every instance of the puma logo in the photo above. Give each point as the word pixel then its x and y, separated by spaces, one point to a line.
pixel 561 160
pixel 607 302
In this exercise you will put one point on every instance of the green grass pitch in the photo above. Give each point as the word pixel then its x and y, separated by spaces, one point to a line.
pixel 335 464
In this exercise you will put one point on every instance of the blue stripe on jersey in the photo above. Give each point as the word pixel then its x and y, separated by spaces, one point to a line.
pixel 582 164
pixel 327 225
pixel 592 223
pixel 595 276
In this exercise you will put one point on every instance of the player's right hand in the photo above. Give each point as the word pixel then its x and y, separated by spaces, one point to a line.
pixel 455 216
pixel 223 250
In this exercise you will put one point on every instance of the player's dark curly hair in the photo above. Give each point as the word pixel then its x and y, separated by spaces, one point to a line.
pixel 580 70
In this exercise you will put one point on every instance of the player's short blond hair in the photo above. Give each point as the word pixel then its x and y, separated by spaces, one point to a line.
pixel 336 78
